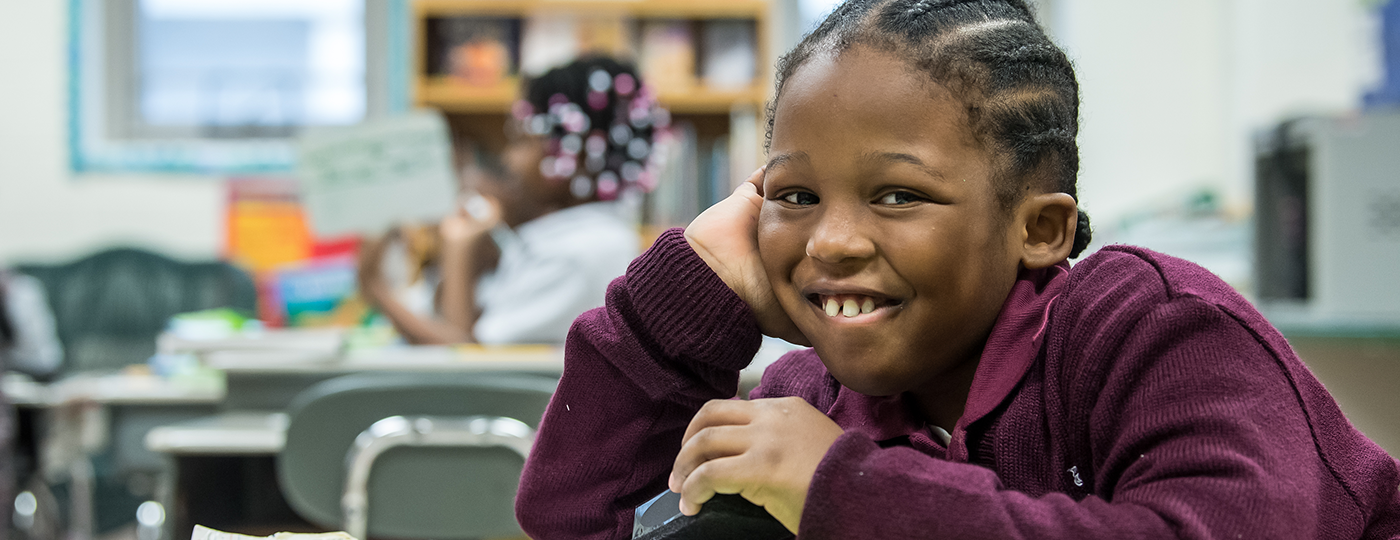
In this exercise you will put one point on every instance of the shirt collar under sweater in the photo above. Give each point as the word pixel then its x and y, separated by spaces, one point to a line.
pixel 1011 348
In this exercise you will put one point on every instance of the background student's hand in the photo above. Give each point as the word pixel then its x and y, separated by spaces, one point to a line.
pixel 765 450
pixel 726 238
pixel 471 223
pixel 370 274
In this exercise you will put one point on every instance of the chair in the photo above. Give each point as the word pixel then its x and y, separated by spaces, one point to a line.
pixel 109 307
pixel 413 455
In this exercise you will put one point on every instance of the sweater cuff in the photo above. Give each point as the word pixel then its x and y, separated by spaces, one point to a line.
pixel 687 309
pixel 860 490
pixel 822 510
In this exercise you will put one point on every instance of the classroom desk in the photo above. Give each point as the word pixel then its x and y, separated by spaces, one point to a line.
pixel 223 465
pixel 121 388
pixel 225 433
pixel 269 382
pixel 108 414
pixel 223 473
pixel 255 378
pixel 87 413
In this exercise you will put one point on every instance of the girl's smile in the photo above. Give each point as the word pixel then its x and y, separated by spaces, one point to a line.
pixel 847 302
pixel 880 230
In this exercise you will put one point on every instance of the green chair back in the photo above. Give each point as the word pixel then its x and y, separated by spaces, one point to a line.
pixel 110 306
pixel 414 493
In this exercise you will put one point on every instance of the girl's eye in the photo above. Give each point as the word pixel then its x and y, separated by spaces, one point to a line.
pixel 800 198
pixel 896 198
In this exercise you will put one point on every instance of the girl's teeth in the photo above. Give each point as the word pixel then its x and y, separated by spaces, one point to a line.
pixel 849 307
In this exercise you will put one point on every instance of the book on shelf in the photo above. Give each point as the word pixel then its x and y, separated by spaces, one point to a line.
pixel 667 54
pixel 479 51
pixel 699 172
pixel 729 56
pixel 547 40
pixel 673 202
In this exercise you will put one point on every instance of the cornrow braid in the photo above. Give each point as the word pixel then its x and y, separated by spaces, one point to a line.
pixel 1018 89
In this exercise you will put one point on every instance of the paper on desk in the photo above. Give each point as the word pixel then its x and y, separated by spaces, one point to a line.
pixel 205 533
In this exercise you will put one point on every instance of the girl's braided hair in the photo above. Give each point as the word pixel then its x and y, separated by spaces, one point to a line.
pixel 1018 88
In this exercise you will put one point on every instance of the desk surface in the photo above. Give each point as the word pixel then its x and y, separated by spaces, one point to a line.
pixel 234 432
pixel 262 432
pixel 112 389
pixel 533 358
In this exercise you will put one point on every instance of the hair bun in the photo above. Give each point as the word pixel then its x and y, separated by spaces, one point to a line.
pixel 1083 234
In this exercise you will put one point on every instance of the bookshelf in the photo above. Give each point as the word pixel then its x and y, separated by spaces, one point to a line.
pixel 708 61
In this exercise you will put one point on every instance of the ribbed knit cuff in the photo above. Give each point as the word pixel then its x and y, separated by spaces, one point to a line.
pixel 822 511
pixel 687 309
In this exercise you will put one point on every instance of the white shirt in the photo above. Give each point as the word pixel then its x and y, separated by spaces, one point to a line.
pixel 36 349
pixel 552 269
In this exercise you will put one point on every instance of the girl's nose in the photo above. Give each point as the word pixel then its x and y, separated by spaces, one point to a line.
pixel 838 238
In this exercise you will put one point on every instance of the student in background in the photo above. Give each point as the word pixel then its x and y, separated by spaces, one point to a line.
pixel 914 225
pixel 539 233
pixel 28 344
pixel 28 339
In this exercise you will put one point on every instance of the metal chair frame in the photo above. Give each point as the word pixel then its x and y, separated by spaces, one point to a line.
pixel 420 431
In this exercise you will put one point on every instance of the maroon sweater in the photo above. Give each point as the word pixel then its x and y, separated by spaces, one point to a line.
pixel 1133 396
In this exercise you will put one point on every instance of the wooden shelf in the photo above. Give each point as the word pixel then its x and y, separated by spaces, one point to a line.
pixel 455 96
pixel 721 129
pixel 691 9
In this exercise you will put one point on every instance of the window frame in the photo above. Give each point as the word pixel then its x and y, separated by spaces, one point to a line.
pixel 107 136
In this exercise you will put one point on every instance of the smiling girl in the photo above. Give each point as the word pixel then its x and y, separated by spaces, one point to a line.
pixel 913 225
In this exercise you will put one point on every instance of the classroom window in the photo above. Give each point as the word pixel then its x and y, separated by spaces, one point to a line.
pixel 249 68
pixel 220 86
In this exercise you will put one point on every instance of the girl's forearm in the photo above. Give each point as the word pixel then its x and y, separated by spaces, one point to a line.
pixel 462 266
pixel 415 329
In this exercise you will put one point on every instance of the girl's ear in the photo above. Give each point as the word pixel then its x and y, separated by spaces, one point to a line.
pixel 1047 222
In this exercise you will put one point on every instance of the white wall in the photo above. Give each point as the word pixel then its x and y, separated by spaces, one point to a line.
pixel 1173 90
pixel 46 213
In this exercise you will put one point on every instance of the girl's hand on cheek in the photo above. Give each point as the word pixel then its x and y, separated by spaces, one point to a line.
pixel 765 450
pixel 471 222
pixel 726 238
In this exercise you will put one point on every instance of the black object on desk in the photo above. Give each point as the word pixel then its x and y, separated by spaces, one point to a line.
pixel 723 517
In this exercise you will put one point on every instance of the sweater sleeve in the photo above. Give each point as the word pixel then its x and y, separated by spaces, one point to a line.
pixel 1193 430
pixel 670 337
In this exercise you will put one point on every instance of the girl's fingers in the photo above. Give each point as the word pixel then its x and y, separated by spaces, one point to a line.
pixel 719 412
pixel 756 179
pixel 709 444
pixel 723 475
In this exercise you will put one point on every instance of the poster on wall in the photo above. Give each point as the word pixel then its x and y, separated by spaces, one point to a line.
pixel 367 178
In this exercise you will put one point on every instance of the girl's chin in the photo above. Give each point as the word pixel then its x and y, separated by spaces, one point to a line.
pixel 870 384
pixel 873 389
